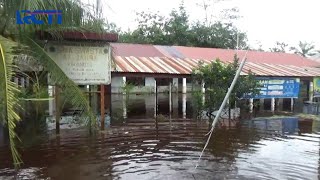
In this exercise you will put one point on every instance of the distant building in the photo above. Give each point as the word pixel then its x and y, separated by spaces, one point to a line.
pixel 151 65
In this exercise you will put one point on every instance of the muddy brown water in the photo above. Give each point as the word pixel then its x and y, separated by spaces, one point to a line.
pixel 138 147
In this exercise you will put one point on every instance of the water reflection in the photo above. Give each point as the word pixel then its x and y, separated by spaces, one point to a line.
pixel 137 146
pixel 144 106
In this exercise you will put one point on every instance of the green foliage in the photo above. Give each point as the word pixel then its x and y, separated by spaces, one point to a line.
pixel 217 35
pixel 77 16
pixel 280 47
pixel 9 102
pixel 178 30
pixel 218 77
pixel 304 49
pixel 127 88
pixel 197 104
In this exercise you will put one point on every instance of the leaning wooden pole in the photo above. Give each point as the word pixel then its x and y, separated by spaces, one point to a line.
pixel 58 108
pixel 225 100
pixel 102 107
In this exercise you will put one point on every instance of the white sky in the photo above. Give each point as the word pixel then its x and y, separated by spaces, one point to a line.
pixel 265 21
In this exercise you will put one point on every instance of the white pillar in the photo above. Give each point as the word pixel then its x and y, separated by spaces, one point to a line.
pixel 175 106
pixel 124 106
pixel 51 102
pixel 124 80
pixel 170 98
pixel 292 104
pixel 261 104
pixel 16 80
pixel 272 104
pixel 184 85
pixel 251 105
pixel 23 82
pixel 27 82
pixel 155 106
pixel 203 90
pixel 151 83
pixel 175 85
pixel 184 105
pixel 280 104
pixel 203 99
pixel 311 91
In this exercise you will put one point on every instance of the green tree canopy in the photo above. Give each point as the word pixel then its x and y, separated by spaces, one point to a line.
pixel 304 49
pixel 217 78
pixel 280 47
pixel 178 30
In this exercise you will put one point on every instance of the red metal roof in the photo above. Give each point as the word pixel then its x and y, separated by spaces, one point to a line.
pixel 139 50
pixel 145 50
pixel 252 56
pixel 181 60
pixel 168 65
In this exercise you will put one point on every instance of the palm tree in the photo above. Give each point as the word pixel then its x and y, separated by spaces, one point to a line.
pixel 16 40
pixel 304 49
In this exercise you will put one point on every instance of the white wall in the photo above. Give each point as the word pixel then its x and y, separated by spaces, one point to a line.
pixel 116 84
pixel 150 85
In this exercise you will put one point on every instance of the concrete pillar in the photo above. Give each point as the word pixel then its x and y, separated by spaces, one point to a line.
pixel 272 104
pixel 292 104
pixel 124 81
pixel 175 106
pixel 16 80
pixel 203 99
pixel 280 104
pixel 311 91
pixel 175 85
pixel 261 104
pixel 203 90
pixel 27 82
pixel 51 102
pixel 184 106
pixel 23 84
pixel 170 98
pixel 155 105
pixel 151 83
pixel 184 85
pixel 150 102
pixel 124 106
pixel 251 105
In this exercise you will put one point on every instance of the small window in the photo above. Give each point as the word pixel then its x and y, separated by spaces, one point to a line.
pixel 163 81
pixel 137 81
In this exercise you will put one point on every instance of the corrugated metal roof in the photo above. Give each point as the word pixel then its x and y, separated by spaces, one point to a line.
pixel 139 50
pixel 145 50
pixel 170 51
pixel 185 65
pixel 252 56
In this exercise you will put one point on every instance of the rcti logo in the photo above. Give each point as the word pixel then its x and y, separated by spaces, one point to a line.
pixel 30 16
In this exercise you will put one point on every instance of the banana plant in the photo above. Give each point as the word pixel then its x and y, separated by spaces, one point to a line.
pixel 18 40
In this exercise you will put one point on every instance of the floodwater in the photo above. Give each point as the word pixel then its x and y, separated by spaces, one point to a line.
pixel 138 147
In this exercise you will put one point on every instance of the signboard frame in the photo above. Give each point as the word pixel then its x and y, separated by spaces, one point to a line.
pixel 277 87
pixel 86 63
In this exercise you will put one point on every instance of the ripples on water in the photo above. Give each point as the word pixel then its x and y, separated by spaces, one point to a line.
pixel 285 148
pixel 139 150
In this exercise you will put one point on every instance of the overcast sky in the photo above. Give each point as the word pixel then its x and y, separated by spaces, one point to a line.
pixel 265 21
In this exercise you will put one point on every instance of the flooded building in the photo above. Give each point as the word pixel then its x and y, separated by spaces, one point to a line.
pixel 149 65
pixel 152 68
